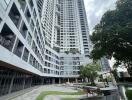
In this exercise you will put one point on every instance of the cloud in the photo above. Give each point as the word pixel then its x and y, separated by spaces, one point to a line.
pixel 95 9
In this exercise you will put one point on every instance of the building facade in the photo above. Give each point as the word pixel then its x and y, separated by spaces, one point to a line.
pixel 41 42
pixel 105 66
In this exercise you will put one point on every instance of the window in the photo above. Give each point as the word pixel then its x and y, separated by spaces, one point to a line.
pixel 15 15
pixel 31 59
pixel 34 14
pixel 18 48
pixel 0 20
pixel 33 46
pixel 27 14
pixel 32 25
pixel 7 38
pixel 31 4
pixel 25 55
pixel 29 38
pixel 23 30
pixel 23 4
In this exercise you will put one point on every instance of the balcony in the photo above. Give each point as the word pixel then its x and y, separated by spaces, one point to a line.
pixel 15 15
pixel 7 38
pixel 18 48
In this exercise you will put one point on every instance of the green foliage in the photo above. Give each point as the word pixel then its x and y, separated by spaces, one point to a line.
pixel 89 71
pixel 88 84
pixel 129 94
pixel 56 49
pixel 45 93
pixel 69 99
pixel 109 78
pixel 74 51
pixel 112 37
pixel 114 72
pixel 67 52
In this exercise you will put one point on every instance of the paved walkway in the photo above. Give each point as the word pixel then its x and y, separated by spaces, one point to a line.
pixel 32 93
pixel 18 93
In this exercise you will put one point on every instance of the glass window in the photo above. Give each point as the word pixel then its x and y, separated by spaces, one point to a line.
pixel 29 39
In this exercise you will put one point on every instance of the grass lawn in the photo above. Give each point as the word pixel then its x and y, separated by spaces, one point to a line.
pixel 129 94
pixel 45 93
pixel 88 84
pixel 69 99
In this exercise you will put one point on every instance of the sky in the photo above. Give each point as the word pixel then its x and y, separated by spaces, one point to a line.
pixel 95 10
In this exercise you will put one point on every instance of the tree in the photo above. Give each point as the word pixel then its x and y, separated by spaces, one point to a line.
pixel 74 50
pixel 89 71
pixel 112 37
pixel 115 73
pixel 67 52
pixel 56 49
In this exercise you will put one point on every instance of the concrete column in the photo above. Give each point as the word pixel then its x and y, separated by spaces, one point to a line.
pixel 113 80
pixel 68 80
pixel 53 80
pixel 82 79
pixel 42 81
pixel 122 91
pixel 3 86
pixel 1 81
pixel 76 80
pixel 10 88
pixel 59 80
pixel 31 82
pixel 86 80
pixel 23 83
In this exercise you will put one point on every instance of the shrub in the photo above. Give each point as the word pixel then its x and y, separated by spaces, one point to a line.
pixel 129 94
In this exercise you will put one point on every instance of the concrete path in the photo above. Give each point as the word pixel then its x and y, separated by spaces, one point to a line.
pixel 31 95
pixel 18 93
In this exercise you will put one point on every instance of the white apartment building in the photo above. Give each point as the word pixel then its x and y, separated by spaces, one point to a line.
pixel 41 42
pixel 65 27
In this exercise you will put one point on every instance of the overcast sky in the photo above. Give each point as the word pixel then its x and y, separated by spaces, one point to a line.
pixel 95 9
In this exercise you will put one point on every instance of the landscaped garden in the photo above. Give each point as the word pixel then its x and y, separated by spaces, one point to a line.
pixel 129 94
pixel 46 93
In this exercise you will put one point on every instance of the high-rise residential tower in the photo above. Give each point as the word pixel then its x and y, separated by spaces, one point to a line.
pixel 65 27
pixel 41 41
